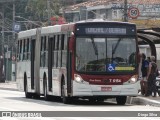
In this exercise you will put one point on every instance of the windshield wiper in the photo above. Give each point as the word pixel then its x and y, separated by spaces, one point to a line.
pixel 115 48
pixel 94 47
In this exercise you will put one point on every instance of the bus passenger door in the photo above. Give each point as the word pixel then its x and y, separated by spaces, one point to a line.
pixel 69 64
pixel 32 62
pixel 50 42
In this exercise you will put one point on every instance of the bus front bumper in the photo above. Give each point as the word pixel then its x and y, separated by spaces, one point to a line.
pixel 86 89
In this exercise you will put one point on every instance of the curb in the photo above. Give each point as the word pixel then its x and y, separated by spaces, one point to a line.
pixel 143 101
pixel 140 101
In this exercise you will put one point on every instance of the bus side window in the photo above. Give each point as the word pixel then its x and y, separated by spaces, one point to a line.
pixel 55 52
pixel 62 42
pixel 25 50
pixel 57 59
pixel 41 52
pixel 46 51
pixel 59 51
pixel 28 49
pixel 30 40
pixel 43 60
pixel 32 49
pixel 20 52
pixel 53 49
pixel 64 49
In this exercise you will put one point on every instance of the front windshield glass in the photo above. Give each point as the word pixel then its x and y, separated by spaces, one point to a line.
pixel 105 54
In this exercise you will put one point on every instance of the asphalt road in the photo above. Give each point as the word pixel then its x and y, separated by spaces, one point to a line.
pixel 16 101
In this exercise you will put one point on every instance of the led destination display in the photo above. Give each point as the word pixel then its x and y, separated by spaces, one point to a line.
pixel 108 29
pixel 105 31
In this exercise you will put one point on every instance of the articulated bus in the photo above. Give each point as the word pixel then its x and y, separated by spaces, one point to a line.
pixel 92 60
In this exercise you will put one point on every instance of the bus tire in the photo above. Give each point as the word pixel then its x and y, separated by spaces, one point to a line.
pixel 121 100
pixel 65 100
pixel 46 96
pixel 36 96
pixel 27 94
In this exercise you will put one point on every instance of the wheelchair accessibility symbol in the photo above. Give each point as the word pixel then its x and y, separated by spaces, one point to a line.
pixel 111 67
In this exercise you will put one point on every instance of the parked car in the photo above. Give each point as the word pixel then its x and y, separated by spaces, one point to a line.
pixel 158 83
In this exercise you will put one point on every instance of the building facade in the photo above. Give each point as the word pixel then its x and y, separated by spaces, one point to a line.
pixel 113 10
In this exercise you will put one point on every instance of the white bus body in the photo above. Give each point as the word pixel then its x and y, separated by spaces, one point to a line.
pixel 44 59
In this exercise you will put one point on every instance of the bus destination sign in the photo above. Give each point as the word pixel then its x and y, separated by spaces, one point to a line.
pixel 106 30
pixel 119 31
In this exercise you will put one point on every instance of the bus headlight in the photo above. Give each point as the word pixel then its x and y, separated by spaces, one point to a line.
pixel 132 80
pixel 78 78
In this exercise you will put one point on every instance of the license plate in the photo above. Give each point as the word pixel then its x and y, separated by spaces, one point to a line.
pixel 106 88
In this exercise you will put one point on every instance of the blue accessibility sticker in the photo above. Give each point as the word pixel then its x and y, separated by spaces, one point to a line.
pixel 110 67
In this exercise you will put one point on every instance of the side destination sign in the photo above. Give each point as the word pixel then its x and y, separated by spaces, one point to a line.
pixel 119 31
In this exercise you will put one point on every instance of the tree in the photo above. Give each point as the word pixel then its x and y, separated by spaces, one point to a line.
pixel 39 9
pixel 57 20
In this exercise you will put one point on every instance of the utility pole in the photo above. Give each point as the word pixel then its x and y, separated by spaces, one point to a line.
pixel 3 52
pixel 125 11
pixel 49 11
pixel 14 38
pixel 2 29
pixel 14 12
pixel 2 48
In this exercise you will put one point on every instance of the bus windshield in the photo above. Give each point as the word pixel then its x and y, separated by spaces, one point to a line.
pixel 96 54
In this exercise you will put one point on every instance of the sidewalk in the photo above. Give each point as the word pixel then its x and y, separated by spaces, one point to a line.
pixel 139 100
pixel 9 85
pixel 142 100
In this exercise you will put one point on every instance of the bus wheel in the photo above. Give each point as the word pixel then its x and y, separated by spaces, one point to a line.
pixel 36 96
pixel 27 94
pixel 46 97
pixel 65 100
pixel 121 100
